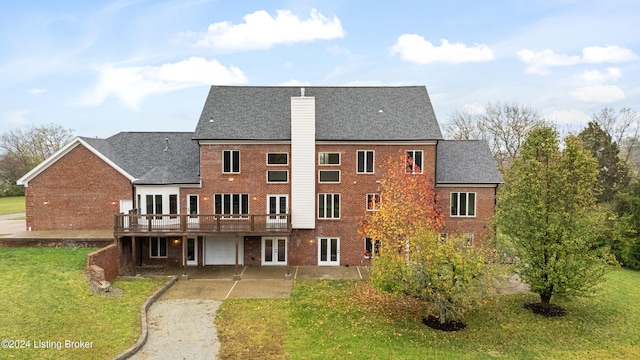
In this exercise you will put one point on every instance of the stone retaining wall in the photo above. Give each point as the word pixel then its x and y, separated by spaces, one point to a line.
pixel 107 259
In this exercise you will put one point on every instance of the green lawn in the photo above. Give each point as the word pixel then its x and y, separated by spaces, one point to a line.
pixel 12 205
pixel 45 297
pixel 350 320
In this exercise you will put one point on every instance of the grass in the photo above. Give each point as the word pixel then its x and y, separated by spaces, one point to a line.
pixel 12 205
pixel 350 320
pixel 45 296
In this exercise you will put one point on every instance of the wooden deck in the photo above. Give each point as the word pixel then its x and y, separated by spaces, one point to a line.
pixel 147 224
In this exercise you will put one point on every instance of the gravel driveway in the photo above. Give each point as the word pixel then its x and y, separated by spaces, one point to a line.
pixel 181 329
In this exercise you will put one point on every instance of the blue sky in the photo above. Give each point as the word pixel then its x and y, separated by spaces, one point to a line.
pixel 100 67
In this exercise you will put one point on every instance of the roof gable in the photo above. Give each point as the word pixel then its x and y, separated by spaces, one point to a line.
pixel 466 162
pixel 342 113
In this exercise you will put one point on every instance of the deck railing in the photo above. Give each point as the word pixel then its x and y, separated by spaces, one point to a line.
pixel 196 223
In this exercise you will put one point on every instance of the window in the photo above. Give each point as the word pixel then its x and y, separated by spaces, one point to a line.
pixel 414 162
pixel 328 206
pixel 158 247
pixel 468 239
pixel 229 204
pixel 371 247
pixel 463 204
pixel 373 202
pixel 192 205
pixel 154 204
pixel 173 204
pixel 330 176
pixel 328 158
pixel 231 161
pixel 365 162
pixel 277 176
pixel 277 159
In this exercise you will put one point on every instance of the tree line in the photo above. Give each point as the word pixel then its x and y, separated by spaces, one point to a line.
pixel 611 138
pixel 23 149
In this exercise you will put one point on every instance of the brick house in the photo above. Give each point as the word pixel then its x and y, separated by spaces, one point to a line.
pixel 270 176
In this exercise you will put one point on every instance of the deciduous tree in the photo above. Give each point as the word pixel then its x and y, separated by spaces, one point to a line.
pixel 548 209
pixel 412 258
pixel 23 149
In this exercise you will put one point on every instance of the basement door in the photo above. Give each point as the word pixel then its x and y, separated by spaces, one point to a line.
pixel 274 251
pixel 221 250
pixel 192 252
pixel 328 251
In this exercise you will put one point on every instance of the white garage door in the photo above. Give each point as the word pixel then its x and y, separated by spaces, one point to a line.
pixel 219 250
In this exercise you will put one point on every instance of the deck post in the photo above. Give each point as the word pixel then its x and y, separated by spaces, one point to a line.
pixel 237 275
pixel 185 276
pixel 134 255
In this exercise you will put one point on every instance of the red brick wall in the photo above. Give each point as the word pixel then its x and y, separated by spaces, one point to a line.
pixel 303 244
pixel 479 225
pixel 107 259
pixel 79 191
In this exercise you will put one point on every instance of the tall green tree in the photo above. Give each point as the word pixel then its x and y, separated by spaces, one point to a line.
pixel 613 172
pixel 549 211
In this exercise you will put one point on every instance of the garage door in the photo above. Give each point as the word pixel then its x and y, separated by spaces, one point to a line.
pixel 220 250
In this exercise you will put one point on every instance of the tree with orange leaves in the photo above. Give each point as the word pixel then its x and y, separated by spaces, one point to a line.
pixel 408 206
pixel 412 259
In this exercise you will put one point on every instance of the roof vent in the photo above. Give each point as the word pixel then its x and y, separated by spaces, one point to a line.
pixel 302 92
pixel 166 147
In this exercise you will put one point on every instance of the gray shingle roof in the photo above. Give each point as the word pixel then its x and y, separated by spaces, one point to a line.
pixel 143 155
pixel 342 113
pixel 466 162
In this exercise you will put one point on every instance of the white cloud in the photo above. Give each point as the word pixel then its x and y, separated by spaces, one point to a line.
pixel 599 94
pixel 132 84
pixel 568 117
pixel 597 77
pixel 414 48
pixel 539 61
pixel 261 31
pixel 15 116
pixel 613 54
pixel 37 91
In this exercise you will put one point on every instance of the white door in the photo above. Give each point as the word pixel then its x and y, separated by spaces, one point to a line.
pixel 274 251
pixel 276 204
pixel 329 251
pixel 192 252
pixel 221 250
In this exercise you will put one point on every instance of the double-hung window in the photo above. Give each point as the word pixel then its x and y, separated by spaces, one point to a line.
pixel 365 162
pixel 231 204
pixel 463 204
pixel 158 247
pixel 231 161
pixel 373 202
pixel 414 162
pixel 329 206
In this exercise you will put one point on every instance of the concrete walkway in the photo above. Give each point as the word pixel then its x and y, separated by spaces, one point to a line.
pixel 181 322
pixel 9 226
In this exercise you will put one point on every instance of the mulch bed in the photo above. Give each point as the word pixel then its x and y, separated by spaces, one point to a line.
pixel 434 323
pixel 549 310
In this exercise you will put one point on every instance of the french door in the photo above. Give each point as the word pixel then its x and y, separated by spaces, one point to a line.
pixel 329 251
pixel 274 251
pixel 276 204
